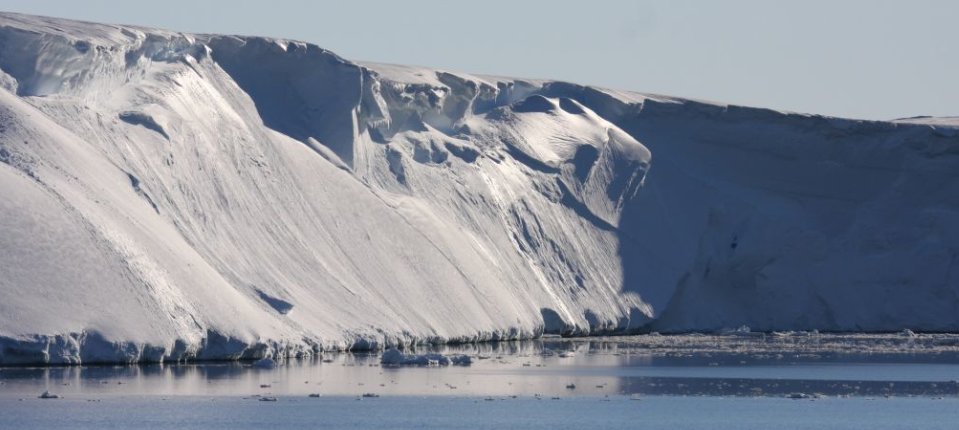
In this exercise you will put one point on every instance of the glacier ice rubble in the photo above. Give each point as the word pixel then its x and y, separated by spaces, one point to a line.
pixel 394 357
pixel 168 196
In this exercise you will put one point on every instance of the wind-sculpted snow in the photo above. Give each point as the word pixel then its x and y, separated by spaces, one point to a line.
pixel 169 196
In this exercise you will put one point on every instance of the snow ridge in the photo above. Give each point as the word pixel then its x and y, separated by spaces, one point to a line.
pixel 175 197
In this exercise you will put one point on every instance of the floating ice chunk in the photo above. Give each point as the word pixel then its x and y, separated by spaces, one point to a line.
pixel 393 357
pixel 264 363
pixel 738 330
pixel 800 396
pixel 742 330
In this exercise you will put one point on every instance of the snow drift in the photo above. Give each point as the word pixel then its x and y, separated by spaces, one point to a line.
pixel 170 196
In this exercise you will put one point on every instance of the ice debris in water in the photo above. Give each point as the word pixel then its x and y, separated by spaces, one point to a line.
pixel 49 395
pixel 264 363
pixel 393 357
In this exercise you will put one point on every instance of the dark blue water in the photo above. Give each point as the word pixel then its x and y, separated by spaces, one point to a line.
pixel 444 412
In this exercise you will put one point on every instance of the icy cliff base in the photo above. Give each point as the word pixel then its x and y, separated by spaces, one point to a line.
pixel 168 196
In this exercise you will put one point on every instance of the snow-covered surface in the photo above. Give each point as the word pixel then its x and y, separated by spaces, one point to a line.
pixel 173 196
pixel 942 123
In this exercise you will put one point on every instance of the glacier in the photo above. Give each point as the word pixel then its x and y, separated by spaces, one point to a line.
pixel 168 196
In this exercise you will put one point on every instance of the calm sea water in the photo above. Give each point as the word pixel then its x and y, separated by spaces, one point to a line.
pixel 707 382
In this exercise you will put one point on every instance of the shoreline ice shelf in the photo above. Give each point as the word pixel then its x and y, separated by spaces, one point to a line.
pixel 170 196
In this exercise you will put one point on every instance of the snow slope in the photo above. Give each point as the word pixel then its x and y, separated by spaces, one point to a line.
pixel 171 196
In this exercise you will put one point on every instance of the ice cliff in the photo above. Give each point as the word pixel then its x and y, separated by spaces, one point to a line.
pixel 168 196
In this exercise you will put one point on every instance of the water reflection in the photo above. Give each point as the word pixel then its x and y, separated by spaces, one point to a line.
pixel 695 366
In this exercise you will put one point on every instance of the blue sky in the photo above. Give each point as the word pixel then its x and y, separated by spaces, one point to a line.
pixel 860 59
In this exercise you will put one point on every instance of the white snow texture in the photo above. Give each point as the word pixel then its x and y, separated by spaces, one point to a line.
pixel 168 196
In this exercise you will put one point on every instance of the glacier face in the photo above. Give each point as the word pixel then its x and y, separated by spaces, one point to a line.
pixel 171 196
